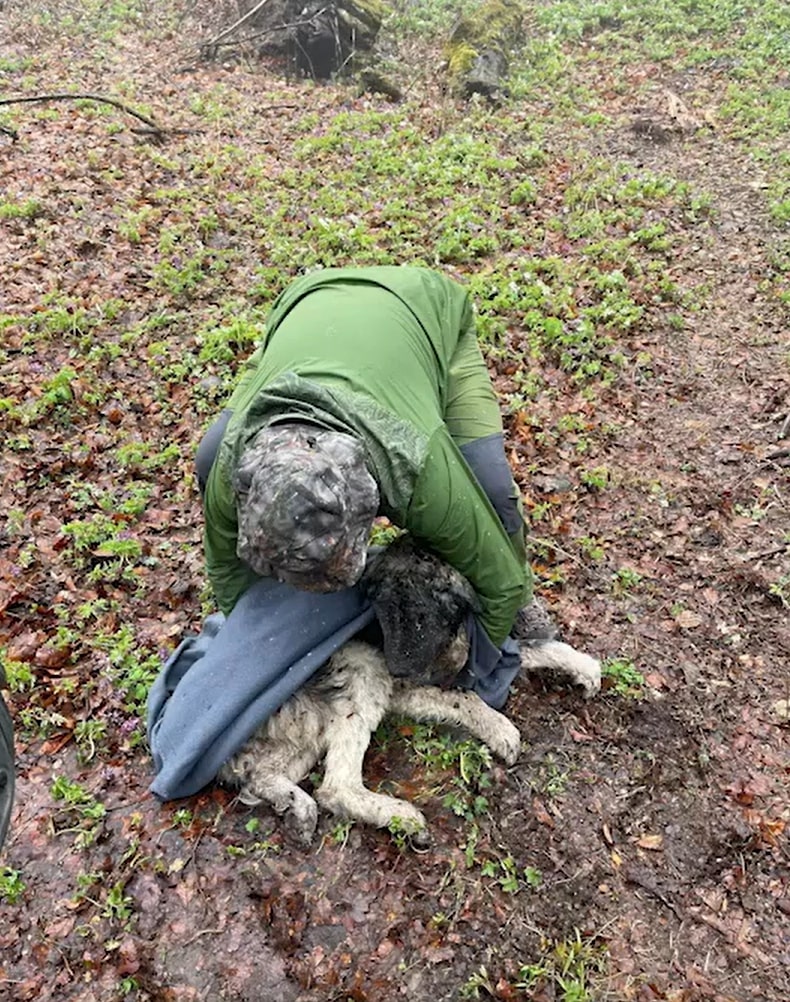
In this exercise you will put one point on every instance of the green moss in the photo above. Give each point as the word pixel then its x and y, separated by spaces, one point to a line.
pixel 494 25
pixel 460 58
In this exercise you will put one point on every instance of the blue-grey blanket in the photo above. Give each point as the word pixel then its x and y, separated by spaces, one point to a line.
pixel 217 688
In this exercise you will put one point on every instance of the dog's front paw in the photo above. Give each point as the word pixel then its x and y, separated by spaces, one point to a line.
pixel 586 672
pixel 556 657
pixel 408 820
pixel 505 743
pixel 301 817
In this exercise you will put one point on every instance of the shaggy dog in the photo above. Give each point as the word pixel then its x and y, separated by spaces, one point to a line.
pixel 421 605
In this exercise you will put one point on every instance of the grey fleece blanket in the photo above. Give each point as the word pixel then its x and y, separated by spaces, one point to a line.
pixel 217 688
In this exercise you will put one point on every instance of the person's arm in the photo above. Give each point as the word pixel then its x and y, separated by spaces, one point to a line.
pixel 471 408
pixel 451 514
pixel 474 422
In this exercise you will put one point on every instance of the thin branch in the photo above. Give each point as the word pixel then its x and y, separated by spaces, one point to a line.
pixel 277 107
pixel 235 25
pixel 9 132
pixel 87 97
pixel 269 31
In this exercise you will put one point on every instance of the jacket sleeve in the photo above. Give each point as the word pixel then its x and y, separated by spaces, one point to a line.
pixel 471 409
pixel 451 514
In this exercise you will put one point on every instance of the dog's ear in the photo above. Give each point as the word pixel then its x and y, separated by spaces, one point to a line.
pixel 403 565
pixel 372 575
pixel 453 595
pixel 387 566
pixel 464 593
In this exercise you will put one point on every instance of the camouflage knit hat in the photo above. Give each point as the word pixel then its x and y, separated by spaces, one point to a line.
pixel 305 503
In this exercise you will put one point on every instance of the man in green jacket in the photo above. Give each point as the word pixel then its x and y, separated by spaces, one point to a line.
pixel 368 396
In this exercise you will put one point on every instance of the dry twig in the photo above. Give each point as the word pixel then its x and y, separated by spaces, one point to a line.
pixel 208 46
pixel 88 97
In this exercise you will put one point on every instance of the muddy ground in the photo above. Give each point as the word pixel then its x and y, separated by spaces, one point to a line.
pixel 653 821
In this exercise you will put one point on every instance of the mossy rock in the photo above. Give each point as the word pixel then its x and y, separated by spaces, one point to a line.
pixel 477 50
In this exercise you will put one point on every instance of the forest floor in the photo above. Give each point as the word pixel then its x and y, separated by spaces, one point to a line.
pixel 622 221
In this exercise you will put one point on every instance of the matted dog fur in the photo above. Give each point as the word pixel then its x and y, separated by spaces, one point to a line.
pixel 421 605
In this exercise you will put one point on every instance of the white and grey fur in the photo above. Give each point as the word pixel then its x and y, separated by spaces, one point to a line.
pixel 421 605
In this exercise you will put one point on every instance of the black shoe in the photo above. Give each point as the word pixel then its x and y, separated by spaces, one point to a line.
pixel 534 624
pixel 6 766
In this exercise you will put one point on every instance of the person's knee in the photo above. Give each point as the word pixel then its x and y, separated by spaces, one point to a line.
pixel 209 447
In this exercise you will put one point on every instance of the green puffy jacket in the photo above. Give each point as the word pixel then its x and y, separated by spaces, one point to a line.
pixel 390 355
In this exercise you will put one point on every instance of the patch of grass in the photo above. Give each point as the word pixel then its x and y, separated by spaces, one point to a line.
pixel 132 668
pixel 570 968
pixel 29 208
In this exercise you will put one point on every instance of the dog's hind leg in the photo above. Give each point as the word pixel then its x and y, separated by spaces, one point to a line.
pixel 343 792
pixel 554 656
pixel 355 715
pixel 463 709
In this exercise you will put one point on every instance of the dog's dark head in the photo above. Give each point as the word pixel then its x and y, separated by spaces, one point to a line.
pixel 421 604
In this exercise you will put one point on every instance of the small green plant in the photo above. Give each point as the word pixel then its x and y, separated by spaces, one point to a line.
pixel 340 832
pixel 71 793
pixel 597 479
pixel 480 979
pixel 262 847
pixel 509 877
pixel 628 682
pixel 81 813
pixel 19 675
pixel 625 580
pixel 182 817
pixel 12 886
pixel 781 589
pixel 117 904
pixel 133 670
pixel 402 831
pixel 85 881
pixel 591 547
pixel 88 734
pixel 551 777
